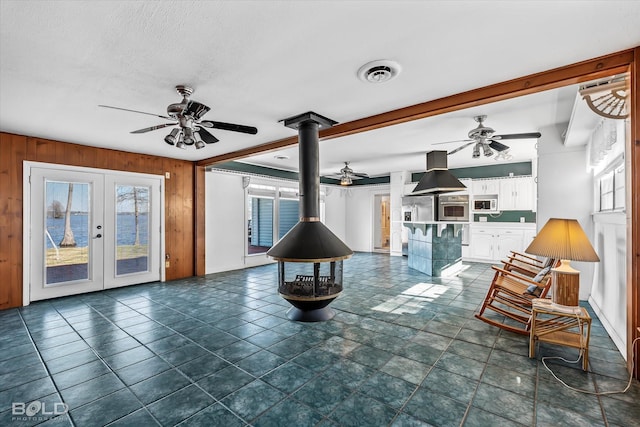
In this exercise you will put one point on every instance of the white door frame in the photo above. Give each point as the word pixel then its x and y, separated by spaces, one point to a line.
pixel 380 192
pixel 26 223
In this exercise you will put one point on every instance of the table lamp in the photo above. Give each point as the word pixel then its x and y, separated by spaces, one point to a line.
pixel 564 239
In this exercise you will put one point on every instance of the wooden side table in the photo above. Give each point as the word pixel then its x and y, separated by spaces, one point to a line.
pixel 561 325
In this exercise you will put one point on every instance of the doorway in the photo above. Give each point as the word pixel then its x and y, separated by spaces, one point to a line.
pixel 381 223
pixel 90 229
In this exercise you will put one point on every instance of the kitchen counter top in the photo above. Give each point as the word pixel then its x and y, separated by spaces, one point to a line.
pixel 503 224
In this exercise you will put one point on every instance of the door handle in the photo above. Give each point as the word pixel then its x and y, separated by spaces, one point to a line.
pixel 98 236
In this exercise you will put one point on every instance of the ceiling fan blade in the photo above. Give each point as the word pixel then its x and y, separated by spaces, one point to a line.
pixel 518 136
pixel 206 136
pixel 359 175
pixel 451 142
pixel 195 109
pixel 228 126
pixel 135 111
pixel 462 147
pixel 149 129
pixel 498 146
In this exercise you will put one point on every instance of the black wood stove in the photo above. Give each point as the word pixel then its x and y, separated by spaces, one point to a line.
pixel 309 256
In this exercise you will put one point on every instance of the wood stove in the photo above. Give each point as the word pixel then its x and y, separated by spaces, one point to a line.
pixel 309 256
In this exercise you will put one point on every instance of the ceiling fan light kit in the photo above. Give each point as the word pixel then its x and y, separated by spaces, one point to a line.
pixel 187 115
pixel 346 175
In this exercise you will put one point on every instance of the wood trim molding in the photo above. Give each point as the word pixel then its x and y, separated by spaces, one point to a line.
pixel 571 74
pixel 199 213
pixel 633 222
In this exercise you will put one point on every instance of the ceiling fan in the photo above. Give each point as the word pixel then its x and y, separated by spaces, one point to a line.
pixel 483 138
pixel 186 116
pixel 346 175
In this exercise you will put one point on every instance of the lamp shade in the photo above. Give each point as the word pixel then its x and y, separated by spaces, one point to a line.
pixel 563 239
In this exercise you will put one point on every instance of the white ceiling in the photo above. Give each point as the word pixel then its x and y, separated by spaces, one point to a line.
pixel 257 62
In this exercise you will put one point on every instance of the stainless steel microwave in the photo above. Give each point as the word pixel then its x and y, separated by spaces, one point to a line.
pixel 453 208
pixel 485 204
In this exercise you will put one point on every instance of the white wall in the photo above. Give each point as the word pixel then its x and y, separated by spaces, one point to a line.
pixel 609 289
pixel 225 222
pixel 225 227
pixel 335 212
pixel 359 219
pixel 565 190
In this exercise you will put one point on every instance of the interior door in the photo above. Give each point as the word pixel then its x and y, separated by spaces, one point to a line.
pixel 92 230
pixel 66 233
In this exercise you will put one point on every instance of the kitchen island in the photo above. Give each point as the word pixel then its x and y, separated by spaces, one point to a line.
pixel 435 248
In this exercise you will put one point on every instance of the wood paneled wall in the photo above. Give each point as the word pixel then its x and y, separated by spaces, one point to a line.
pixel 179 201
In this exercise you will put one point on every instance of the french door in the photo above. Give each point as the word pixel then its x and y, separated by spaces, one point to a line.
pixel 91 229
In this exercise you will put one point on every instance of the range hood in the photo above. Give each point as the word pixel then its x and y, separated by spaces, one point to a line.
pixel 437 179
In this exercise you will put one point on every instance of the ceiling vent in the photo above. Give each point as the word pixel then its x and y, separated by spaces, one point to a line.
pixel 379 71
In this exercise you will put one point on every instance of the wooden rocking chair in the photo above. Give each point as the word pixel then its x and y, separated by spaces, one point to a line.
pixel 510 295
pixel 526 264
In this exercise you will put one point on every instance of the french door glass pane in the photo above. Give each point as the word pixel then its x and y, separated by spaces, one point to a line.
pixel 132 229
pixel 67 237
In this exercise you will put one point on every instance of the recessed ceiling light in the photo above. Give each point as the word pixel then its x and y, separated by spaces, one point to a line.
pixel 281 157
pixel 379 71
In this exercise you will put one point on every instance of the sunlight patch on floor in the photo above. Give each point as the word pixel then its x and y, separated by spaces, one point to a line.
pixel 413 299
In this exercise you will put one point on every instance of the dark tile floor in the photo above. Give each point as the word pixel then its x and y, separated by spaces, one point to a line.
pixel 403 350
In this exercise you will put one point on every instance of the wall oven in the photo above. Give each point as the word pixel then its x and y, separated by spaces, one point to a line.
pixel 453 208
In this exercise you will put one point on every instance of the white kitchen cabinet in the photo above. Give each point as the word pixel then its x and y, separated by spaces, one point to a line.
pixel 516 194
pixel 485 186
pixel 492 243
pixel 481 245
pixel 507 241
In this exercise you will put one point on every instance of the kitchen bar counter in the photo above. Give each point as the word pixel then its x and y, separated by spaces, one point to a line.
pixel 435 248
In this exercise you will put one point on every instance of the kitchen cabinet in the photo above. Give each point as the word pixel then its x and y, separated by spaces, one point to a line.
pixel 485 186
pixel 491 243
pixel 516 194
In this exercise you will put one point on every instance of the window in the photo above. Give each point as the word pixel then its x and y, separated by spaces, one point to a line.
pixel 610 188
pixel 271 212
pixel 288 216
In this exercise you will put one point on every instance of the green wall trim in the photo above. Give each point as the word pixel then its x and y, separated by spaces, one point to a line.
pixel 489 171
pixel 279 173
pixel 371 181
pixel 508 216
